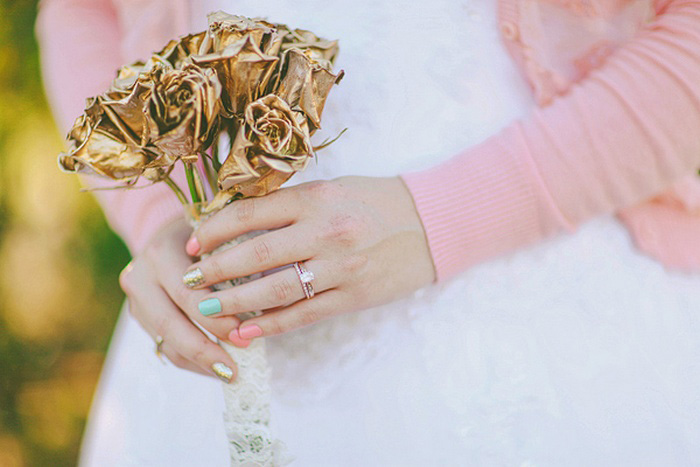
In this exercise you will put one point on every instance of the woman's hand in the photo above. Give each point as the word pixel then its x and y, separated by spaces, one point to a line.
pixel 361 237
pixel 165 307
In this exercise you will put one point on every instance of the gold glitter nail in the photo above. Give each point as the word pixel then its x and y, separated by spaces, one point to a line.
pixel 193 278
pixel 223 372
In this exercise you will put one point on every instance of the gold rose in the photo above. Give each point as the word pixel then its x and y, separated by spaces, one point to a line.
pixel 271 144
pixel 182 118
pixel 173 106
pixel 101 143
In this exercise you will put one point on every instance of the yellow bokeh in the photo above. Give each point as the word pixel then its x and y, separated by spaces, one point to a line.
pixel 59 264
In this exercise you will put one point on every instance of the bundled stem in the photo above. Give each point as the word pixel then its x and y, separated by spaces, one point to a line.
pixel 199 184
pixel 210 172
pixel 194 182
pixel 176 189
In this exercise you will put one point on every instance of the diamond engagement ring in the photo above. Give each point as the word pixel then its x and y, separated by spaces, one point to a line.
pixel 305 277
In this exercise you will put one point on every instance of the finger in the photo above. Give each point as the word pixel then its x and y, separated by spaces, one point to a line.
pixel 179 361
pixel 273 211
pixel 262 253
pixel 161 317
pixel 188 300
pixel 300 314
pixel 193 345
pixel 279 289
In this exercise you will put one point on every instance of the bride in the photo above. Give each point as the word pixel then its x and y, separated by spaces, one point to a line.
pixel 483 307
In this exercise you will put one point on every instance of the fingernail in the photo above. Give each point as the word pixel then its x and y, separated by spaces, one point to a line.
pixel 236 340
pixel 223 372
pixel 193 278
pixel 192 246
pixel 250 331
pixel 210 306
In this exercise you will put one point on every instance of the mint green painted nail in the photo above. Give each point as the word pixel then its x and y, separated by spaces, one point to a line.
pixel 210 306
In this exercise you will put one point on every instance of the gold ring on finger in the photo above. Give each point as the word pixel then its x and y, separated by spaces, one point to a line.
pixel 159 347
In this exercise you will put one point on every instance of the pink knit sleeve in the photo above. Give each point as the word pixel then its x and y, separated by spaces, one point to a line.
pixel 80 50
pixel 621 135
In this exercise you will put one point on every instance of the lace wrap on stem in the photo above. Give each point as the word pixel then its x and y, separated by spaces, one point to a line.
pixel 247 399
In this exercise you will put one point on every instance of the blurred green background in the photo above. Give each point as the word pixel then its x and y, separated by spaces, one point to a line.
pixel 59 263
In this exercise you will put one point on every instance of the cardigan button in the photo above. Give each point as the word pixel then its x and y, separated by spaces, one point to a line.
pixel 509 30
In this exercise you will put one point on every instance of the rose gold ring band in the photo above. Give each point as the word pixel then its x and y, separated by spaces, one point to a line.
pixel 305 277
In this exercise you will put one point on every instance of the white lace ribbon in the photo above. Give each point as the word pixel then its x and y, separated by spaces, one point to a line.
pixel 247 399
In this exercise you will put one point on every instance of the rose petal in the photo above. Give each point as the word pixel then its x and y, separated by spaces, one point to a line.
pixel 306 84
pixel 244 71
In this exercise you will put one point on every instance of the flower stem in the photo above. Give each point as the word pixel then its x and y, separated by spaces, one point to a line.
pixel 178 192
pixel 189 172
pixel 209 173
pixel 215 155
pixel 199 184
pixel 327 143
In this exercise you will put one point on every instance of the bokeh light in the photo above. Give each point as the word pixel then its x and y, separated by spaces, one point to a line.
pixel 59 263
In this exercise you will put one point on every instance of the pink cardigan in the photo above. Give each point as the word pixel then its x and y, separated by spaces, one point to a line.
pixel 618 123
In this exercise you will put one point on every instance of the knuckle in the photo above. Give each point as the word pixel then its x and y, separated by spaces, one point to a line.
pixel 182 295
pixel 282 291
pixel 310 316
pixel 199 355
pixel 213 271
pixel 275 327
pixel 154 251
pixel 245 210
pixel 353 263
pixel 261 251
pixel 322 190
pixel 232 303
pixel 345 229
pixel 125 280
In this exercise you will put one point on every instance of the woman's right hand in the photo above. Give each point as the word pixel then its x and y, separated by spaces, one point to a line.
pixel 159 300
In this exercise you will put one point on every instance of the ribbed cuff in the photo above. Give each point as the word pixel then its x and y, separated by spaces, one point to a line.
pixel 478 205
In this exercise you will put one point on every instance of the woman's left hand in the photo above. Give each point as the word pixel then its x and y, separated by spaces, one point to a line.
pixel 361 238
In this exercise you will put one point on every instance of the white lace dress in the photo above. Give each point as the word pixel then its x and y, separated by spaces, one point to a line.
pixel 577 351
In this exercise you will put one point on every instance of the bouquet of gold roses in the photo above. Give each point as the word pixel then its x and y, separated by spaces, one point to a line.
pixel 256 86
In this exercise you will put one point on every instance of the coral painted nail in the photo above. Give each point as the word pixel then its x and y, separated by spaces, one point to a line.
pixel 250 331
pixel 192 246
pixel 236 340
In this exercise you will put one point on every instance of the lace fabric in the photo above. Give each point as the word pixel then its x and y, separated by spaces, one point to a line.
pixel 247 399
pixel 247 416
